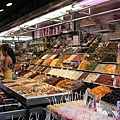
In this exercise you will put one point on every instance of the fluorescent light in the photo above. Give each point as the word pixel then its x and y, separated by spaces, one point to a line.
pixel 8 4
pixel 1 10
pixel 89 3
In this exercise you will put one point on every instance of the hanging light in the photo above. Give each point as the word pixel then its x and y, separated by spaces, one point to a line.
pixel 9 4
pixel 1 10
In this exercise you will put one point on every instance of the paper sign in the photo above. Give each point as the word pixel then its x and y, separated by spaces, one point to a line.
pixel 75 40
pixel 54 115
pixel 0 42
pixel 48 114
pixel 63 118
pixel 90 99
pixel 118 109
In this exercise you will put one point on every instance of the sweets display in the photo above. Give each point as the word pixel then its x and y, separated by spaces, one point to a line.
pixel 76 75
pixel 28 75
pixel 92 66
pixel 100 68
pixel 110 58
pixel 111 68
pixel 95 57
pixel 30 87
pixel 33 75
pixel 77 110
pixel 100 91
pixel 53 63
pixel 72 85
pixel 112 97
pixel 78 57
pixel 83 75
pixel 53 80
pixel 30 67
pixel 68 74
pixel 41 78
pixel 62 82
pixel 105 79
pixel 83 65
pixel 70 58
pixel 39 61
pixel 111 47
pixel 92 77
pixel 47 70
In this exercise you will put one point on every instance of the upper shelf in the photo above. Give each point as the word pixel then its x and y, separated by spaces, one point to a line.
pixel 113 21
pixel 89 25
pixel 115 39
pixel 104 31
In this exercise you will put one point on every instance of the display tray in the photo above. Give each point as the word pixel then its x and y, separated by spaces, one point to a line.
pixel 37 100
pixel 12 114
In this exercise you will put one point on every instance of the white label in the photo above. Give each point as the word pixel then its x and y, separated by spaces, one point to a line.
pixel 90 99
pixel 62 119
pixel 48 114
pixel 118 109
pixel 0 42
pixel 54 115
pixel 75 40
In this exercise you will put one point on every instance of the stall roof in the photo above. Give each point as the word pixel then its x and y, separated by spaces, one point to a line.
pixel 24 10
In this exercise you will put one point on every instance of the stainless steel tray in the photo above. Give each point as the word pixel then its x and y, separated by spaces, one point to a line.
pixel 14 114
pixel 29 101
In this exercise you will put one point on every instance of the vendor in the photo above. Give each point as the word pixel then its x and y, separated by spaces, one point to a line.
pixel 8 62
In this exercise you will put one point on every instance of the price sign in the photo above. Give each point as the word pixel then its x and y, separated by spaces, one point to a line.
pixel 54 115
pixel 118 109
pixel 48 114
pixel 63 118
pixel 90 99
pixel 0 42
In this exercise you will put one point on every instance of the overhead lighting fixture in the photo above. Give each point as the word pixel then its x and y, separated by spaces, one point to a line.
pixel 1 10
pixel 8 4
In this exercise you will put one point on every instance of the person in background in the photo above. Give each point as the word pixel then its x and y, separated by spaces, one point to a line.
pixel 8 62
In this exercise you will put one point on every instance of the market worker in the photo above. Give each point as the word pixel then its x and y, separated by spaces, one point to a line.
pixel 7 64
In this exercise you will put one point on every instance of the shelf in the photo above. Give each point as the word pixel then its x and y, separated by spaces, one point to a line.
pixel 104 31
pixel 102 62
pixel 113 21
pixel 114 39
pixel 83 70
pixel 104 85
pixel 89 25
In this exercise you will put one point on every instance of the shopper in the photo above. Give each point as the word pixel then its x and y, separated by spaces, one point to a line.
pixel 8 61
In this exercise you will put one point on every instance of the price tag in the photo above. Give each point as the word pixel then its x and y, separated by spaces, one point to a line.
pixel 90 99
pixel 63 118
pixel 118 109
pixel 54 115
